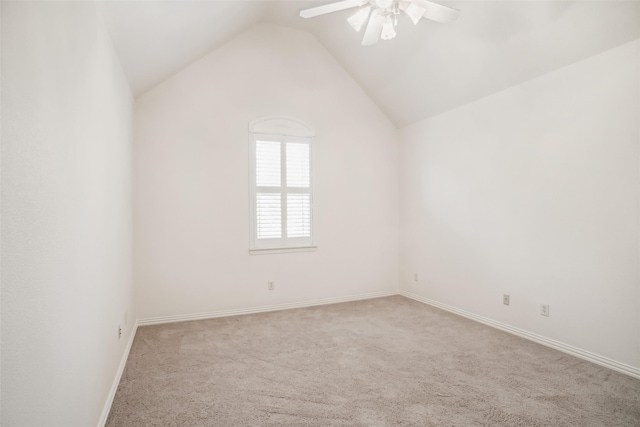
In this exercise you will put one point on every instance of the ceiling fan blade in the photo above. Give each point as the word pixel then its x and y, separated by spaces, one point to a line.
pixel 331 7
pixel 436 12
pixel 374 29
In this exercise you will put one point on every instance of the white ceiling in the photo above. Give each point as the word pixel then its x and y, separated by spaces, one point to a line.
pixel 426 70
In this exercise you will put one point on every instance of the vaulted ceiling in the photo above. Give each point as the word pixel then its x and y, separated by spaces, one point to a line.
pixel 426 70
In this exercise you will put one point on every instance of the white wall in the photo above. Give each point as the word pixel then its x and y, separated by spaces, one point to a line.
pixel 191 211
pixel 534 191
pixel 66 214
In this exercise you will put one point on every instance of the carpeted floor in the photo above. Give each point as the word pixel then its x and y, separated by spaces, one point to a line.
pixel 380 362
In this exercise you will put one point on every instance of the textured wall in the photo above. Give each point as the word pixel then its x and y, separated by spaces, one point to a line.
pixel 191 180
pixel 66 214
pixel 534 191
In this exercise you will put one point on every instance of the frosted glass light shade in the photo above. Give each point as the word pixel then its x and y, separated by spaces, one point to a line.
pixel 388 32
pixel 358 19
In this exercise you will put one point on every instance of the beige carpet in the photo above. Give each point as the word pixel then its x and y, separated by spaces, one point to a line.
pixel 381 362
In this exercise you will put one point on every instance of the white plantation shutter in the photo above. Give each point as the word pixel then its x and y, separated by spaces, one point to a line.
pixel 268 215
pixel 268 206
pixel 298 215
pixel 298 176
pixel 268 173
pixel 281 189
pixel 298 166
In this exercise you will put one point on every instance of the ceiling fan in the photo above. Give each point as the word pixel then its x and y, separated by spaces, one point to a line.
pixel 382 15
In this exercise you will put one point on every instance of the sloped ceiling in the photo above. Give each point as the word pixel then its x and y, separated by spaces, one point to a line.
pixel 426 70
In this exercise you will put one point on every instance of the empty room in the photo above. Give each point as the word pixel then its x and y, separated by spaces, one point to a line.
pixel 320 213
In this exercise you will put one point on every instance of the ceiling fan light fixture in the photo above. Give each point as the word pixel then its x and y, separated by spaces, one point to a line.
pixel 388 31
pixel 415 12
pixel 358 19
pixel 380 17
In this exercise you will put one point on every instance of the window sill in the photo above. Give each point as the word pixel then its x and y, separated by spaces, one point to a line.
pixel 282 250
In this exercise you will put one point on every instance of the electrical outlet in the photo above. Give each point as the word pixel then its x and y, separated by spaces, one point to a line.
pixel 270 286
pixel 415 277
pixel 119 331
pixel 544 310
pixel 505 299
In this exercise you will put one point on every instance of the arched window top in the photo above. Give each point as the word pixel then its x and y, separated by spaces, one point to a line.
pixel 278 125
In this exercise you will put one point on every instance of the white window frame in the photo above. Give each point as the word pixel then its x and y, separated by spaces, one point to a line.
pixel 282 129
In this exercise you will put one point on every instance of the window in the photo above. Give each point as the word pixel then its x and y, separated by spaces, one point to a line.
pixel 281 186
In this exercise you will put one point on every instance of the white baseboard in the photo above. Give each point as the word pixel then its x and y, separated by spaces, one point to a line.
pixel 116 380
pixel 262 309
pixel 565 348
